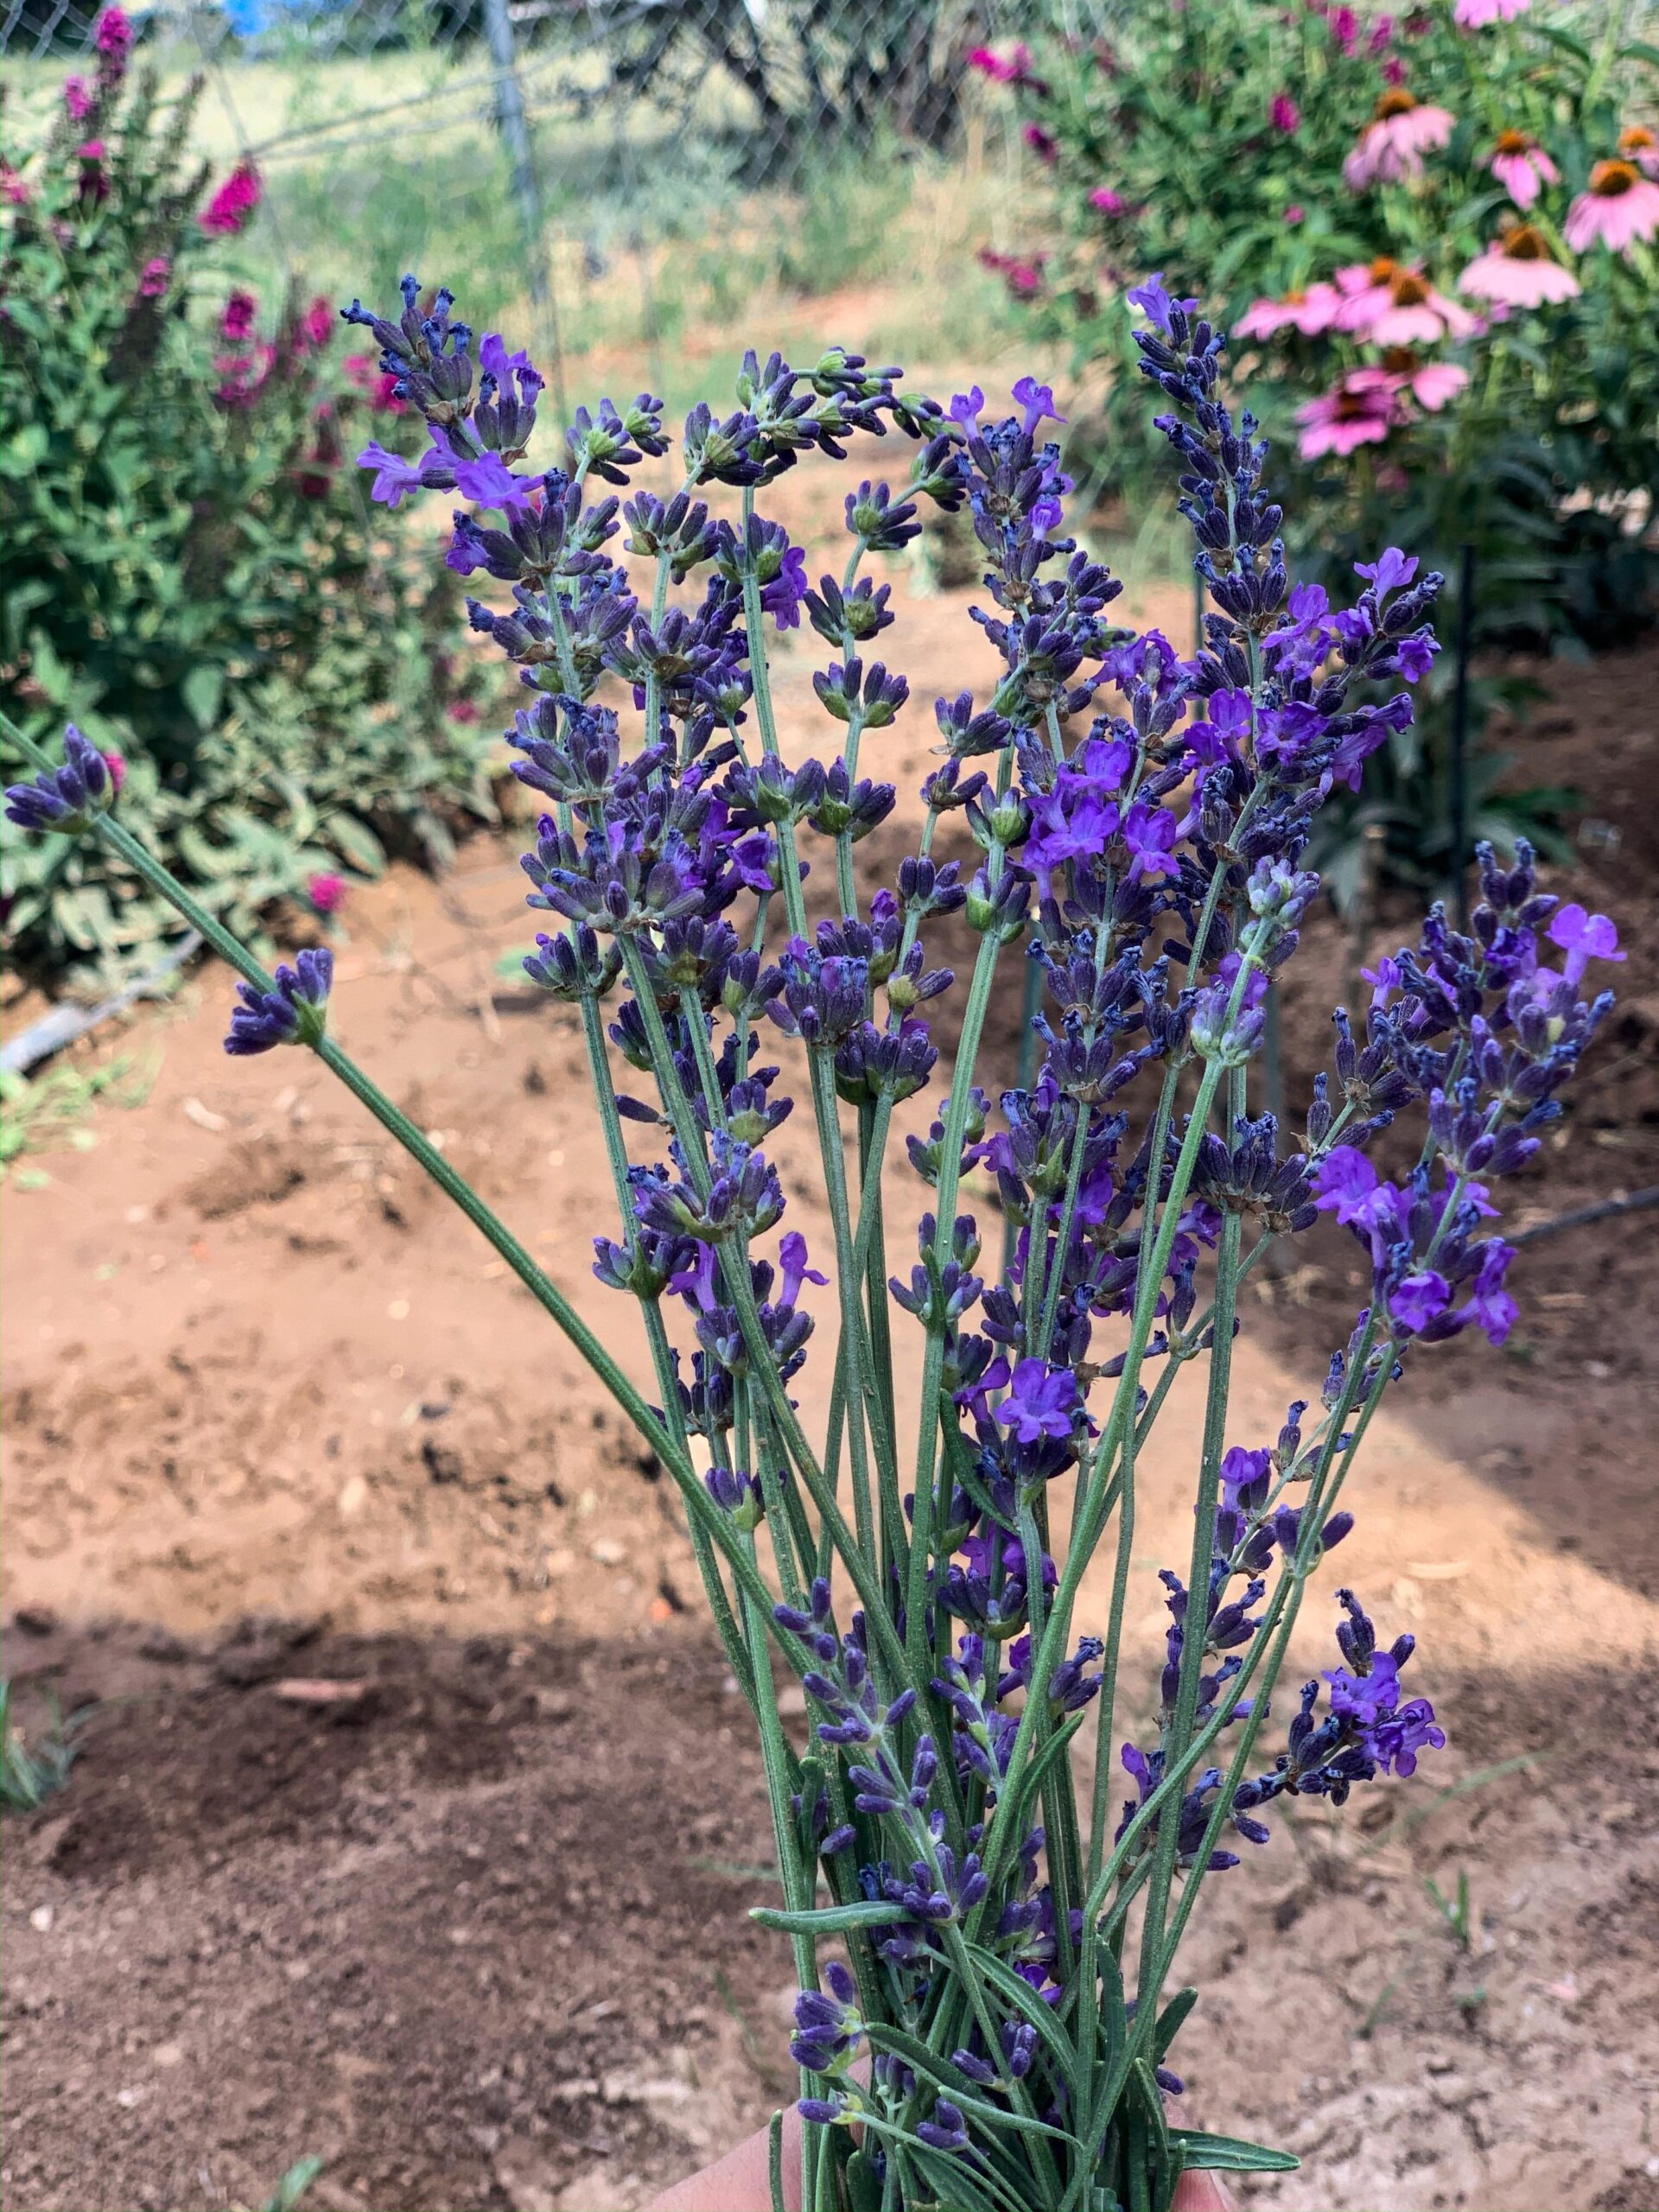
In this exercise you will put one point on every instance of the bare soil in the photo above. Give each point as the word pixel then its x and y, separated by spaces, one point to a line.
pixel 473 1927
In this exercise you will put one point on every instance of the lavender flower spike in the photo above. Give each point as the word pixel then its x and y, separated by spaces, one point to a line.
pixel 65 799
pixel 293 1014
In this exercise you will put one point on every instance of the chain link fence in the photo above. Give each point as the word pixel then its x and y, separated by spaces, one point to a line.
pixel 605 159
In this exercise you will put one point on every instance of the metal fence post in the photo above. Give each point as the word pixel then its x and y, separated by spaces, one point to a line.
pixel 514 124
pixel 1458 766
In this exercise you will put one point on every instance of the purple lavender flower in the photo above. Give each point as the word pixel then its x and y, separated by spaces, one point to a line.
pixel 292 1014
pixel 1041 1401
pixel 828 2029
pixel 65 799
pixel 1583 937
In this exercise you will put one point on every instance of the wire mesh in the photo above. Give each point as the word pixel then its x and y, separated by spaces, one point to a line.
pixel 557 146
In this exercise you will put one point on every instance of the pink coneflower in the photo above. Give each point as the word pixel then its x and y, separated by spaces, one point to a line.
pixel 1107 201
pixel 13 189
pixel 1620 208
pixel 1392 305
pixel 1431 383
pixel 1295 214
pixel 1392 145
pixel 1284 116
pixel 233 202
pixel 1639 144
pixel 326 893
pixel 117 768
pixel 1043 143
pixel 1394 70
pixel 1359 410
pixel 316 325
pixel 1309 312
pixel 77 99
pixel 237 322
pixel 1344 28
pixel 153 281
pixel 1519 270
pixel 464 711
pixel 1521 166
pixel 1476 15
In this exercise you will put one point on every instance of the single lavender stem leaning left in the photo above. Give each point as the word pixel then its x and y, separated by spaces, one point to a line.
pixel 455 1187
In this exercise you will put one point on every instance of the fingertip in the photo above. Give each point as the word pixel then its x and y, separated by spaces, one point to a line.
pixel 1202 2192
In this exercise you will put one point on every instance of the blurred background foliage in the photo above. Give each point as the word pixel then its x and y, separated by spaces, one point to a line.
pixel 641 186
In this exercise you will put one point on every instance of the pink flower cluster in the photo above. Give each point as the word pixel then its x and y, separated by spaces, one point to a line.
pixel 244 370
pixel 1380 302
pixel 1011 68
pixel 327 895
pixel 233 202
pixel 1397 308
pixel 380 389
pixel 1024 278
pixel 113 40
pixel 1477 15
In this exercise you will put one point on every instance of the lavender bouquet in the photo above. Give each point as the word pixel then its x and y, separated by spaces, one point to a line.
pixel 982 2021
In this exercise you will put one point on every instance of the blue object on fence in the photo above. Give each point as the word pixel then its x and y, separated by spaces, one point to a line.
pixel 250 19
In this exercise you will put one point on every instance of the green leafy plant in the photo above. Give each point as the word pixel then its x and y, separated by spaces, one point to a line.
pixel 188 569
pixel 295 2186
pixel 31 1770
pixel 1436 239
pixel 53 1109
pixel 1455 1909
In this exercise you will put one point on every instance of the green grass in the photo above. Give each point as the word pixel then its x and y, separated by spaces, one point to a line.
pixel 663 264
pixel 32 1770
pixel 53 1111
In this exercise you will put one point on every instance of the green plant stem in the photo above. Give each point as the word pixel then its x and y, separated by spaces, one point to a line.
pixel 1272 1640
pixel 998 1843
pixel 656 1338
pixel 740 1290
pixel 699 1505
pixel 798 1888
pixel 1100 1809
pixel 821 1073
pixel 955 1122
pixel 1051 1304
pixel 1195 1639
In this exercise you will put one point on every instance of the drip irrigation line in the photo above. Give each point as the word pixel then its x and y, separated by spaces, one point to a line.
pixel 65 1024
pixel 1581 1216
